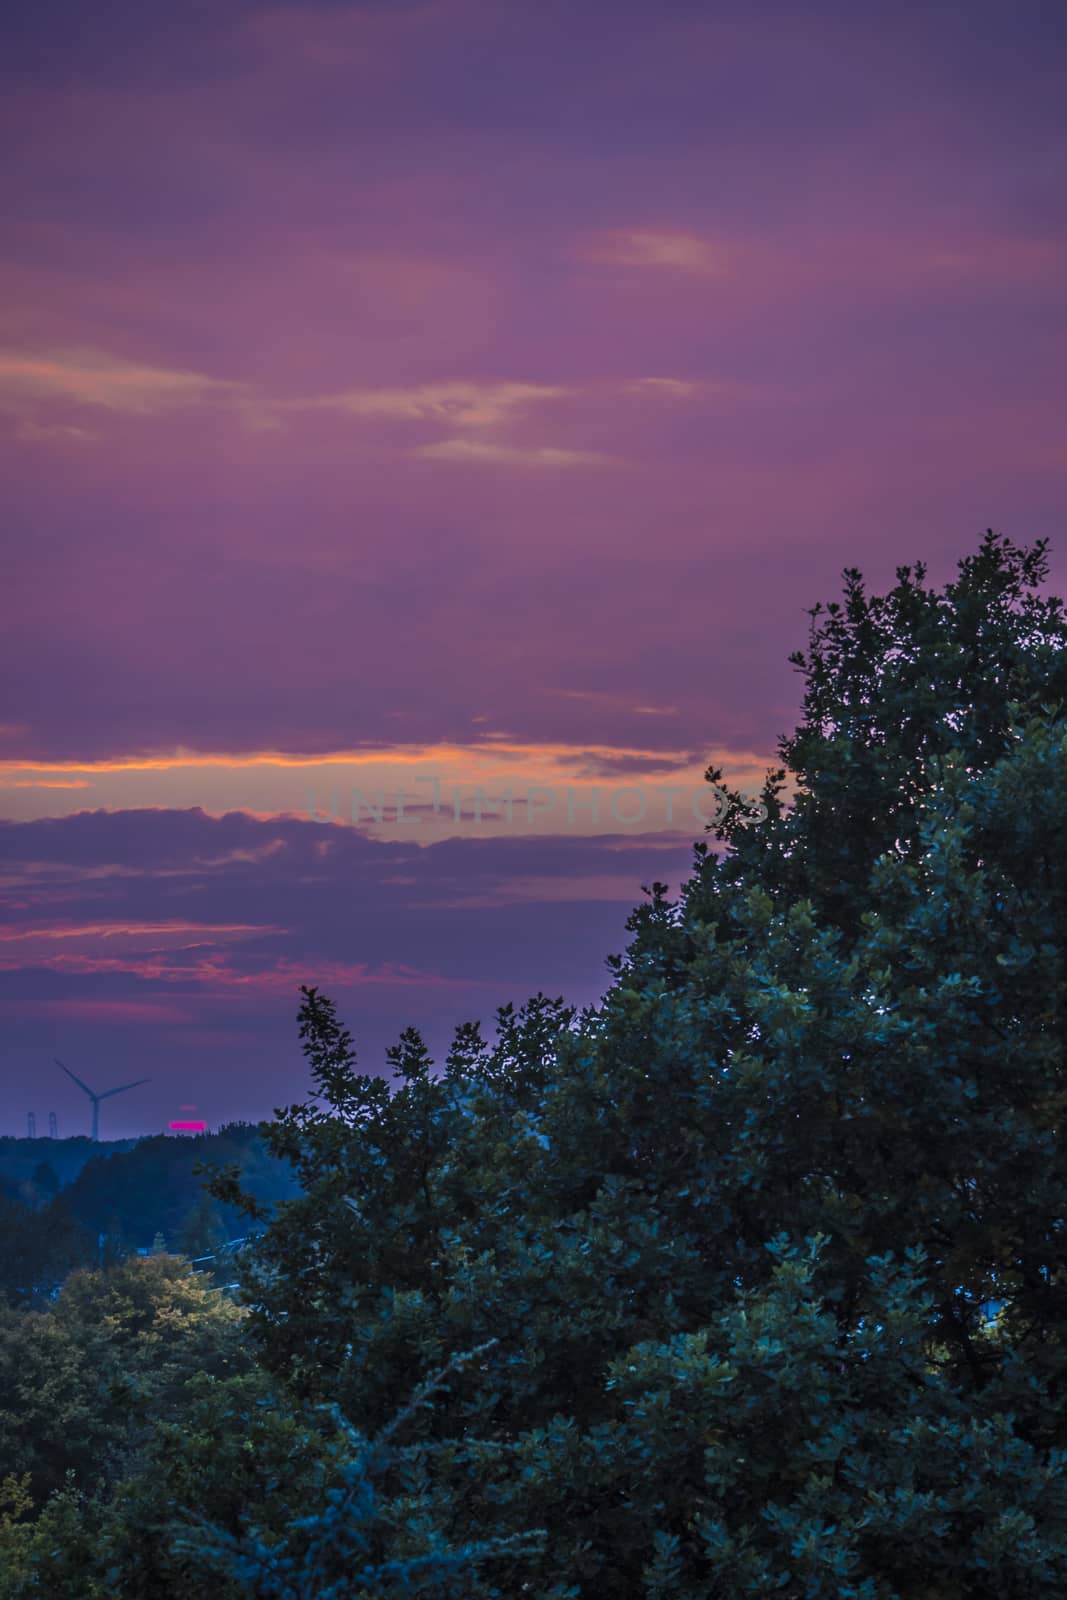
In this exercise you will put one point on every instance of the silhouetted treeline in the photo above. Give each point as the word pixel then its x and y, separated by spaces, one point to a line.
pixel 20 1157
pixel 126 1199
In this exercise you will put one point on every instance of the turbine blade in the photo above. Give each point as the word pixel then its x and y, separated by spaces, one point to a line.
pixel 77 1080
pixel 122 1088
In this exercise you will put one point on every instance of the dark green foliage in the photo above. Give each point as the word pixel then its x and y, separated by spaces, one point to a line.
pixel 108 1397
pixel 771 1242
pixel 84 1379
pixel 351 1539
pixel 19 1157
pixel 42 1243
pixel 45 1181
pixel 155 1186
pixel 233 1449
pixel 119 1199
pixel 201 1234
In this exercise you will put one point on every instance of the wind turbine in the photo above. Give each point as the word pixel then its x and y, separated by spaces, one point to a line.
pixel 96 1098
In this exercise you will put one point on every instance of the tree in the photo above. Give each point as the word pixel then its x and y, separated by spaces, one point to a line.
pixel 42 1244
pixel 52 1553
pixel 84 1381
pixel 201 1234
pixel 771 1242
pixel 357 1541
pixel 132 1194
pixel 45 1181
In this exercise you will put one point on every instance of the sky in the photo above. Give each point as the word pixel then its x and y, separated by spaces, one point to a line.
pixel 407 402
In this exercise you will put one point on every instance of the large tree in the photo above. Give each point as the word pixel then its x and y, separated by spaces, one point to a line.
pixel 771 1242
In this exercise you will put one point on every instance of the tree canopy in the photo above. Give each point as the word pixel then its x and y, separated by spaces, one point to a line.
pixel 771 1242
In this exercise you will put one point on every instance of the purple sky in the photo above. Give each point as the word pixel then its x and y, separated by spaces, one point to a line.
pixel 476 389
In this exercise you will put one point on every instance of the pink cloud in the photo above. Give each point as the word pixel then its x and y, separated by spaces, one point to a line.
pixel 132 1012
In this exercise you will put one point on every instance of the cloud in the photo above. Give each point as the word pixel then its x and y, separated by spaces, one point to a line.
pixel 90 377
pixel 670 388
pixel 458 402
pixel 396 932
pixel 59 430
pixel 601 697
pixel 86 929
pixel 995 260
pixel 588 764
pixel 44 783
pixel 85 377
pixel 652 247
pixel 480 450
pixel 368 913
pixel 115 1011
pixel 39 387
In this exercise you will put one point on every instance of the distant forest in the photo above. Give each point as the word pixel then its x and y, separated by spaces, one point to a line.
pixel 67 1203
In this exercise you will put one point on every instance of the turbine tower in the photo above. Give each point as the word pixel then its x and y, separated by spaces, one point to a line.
pixel 104 1094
